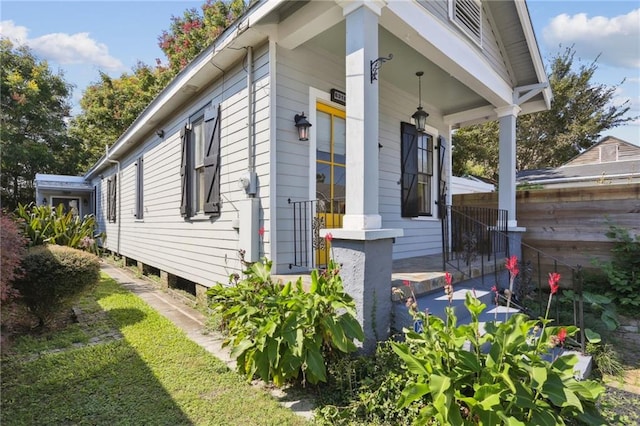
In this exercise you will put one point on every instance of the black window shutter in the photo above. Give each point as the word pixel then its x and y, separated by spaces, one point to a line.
pixel 111 198
pixel 409 170
pixel 185 172
pixel 139 182
pixel 109 185
pixel 212 160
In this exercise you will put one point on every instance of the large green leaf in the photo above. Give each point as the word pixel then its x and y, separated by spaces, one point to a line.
pixel 351 327
pixel 412 392
pixel 561 396
pixel 316 370
pixel 414 364
pixel 241 347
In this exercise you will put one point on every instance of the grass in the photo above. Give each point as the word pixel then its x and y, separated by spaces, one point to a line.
pixel 143 371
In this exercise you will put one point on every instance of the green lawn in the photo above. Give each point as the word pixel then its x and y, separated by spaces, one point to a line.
pixel 144 371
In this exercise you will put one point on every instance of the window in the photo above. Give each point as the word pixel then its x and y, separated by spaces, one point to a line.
pixel 200 166
pixel 467 15
pixel 417 172
pixel 139 193
pixel 111 198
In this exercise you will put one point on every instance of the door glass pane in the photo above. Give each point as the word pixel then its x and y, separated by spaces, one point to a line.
pixel 339 181
pixel 323 136
pixel 323 181
pixel 339 138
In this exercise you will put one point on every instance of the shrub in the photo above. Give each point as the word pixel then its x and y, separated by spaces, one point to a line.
pixel 365 390
pixel 512 373
pixel 12 250
pixel 623 271
pixel 54 276
pixel 44 225
pixel 281 332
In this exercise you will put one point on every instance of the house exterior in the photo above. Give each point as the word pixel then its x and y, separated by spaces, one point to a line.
pixel 610 161
pixel 215 165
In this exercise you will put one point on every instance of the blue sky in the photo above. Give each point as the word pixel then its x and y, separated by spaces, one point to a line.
pixel 82 38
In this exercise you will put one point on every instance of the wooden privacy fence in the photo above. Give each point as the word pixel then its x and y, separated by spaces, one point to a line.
pixel 570 223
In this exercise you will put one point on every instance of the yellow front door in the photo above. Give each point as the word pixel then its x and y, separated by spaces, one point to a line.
pixel 330 174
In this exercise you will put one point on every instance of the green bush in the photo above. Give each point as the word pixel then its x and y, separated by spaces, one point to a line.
pixel 623 271
pixel 281 332
pixel 365 390
pixel 54 276
pixel 44 225
pixel 511 374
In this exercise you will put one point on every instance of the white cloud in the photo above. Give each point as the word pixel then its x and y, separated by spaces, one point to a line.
pixel 616 39
pixel 64 49
pixel 13 32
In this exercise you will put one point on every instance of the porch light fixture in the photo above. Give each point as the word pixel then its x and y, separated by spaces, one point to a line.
pixel 303 126
pixel 420 116
pixel 44 200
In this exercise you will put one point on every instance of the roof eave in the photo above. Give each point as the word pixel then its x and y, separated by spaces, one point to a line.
pixel 167 98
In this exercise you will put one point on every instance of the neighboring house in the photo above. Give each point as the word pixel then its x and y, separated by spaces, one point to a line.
pixel 215 164
pixel 470 185
pixel 610 161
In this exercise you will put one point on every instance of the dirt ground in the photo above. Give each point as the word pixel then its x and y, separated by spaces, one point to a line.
pixel 627 344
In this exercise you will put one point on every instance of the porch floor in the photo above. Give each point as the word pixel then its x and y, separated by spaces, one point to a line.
pixel 424 273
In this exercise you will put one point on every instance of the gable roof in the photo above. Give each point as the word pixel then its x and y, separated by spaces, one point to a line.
pixel 591 164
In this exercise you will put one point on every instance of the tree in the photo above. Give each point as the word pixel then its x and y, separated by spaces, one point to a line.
pixel 111 105
pixel 193 32
pixel 580 112
pixel 34 108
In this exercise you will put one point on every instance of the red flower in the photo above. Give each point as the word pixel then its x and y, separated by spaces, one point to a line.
pixel 407 283
pixel 562 335
pixel 554 277
pixel 512 265
pixel 447 278
pixel 328 237
pixel 494 289
pixel 261 232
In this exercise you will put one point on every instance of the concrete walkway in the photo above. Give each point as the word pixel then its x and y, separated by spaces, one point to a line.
pixel 192 322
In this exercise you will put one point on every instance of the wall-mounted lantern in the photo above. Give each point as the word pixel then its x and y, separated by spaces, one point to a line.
pixel 303 126
pixel 420 116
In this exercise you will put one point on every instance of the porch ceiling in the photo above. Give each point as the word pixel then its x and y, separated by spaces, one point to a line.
pixel 439 89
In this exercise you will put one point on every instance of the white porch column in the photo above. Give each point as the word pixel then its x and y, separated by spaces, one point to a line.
pixel 362 115
pixel 507 161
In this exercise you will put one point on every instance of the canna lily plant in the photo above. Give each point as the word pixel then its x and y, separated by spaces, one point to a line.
pixel 504 374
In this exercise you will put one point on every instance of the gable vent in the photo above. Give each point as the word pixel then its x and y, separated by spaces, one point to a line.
pixel 467 15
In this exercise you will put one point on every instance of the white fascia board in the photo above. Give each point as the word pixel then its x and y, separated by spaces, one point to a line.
pixel 164 98
pixel 532 44
pixel 445 47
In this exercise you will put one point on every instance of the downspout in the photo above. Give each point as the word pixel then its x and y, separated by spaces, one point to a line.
pixel 106 148
pixel 251 166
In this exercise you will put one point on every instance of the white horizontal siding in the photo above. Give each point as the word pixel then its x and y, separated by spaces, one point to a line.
pixel 202 250
pixel 300 69
pixel 490 47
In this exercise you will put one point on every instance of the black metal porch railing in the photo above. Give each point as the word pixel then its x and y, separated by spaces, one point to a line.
pixel 309 217
pixel 476 242
pixel 471 234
